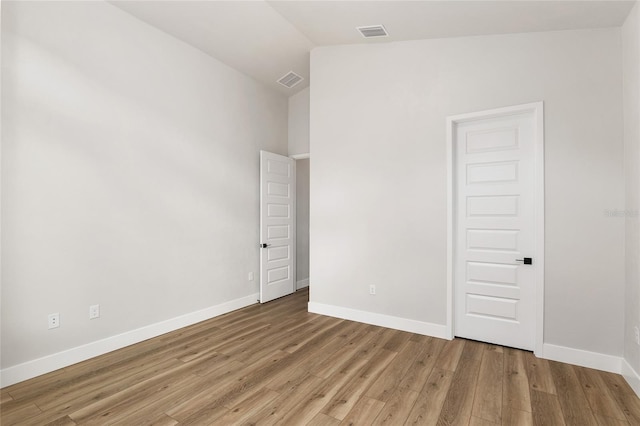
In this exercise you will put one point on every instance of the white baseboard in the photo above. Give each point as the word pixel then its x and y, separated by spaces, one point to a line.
pixel 49 363
pixel 404 324
pixel 302 284
pixel 610 363
pixel 631 376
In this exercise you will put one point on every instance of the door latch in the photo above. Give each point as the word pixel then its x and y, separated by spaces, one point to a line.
pixel 526 260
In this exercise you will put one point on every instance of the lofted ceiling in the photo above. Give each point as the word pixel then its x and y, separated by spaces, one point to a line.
pixel 267 39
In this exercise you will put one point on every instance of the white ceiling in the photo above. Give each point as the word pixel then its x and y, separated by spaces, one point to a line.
pixel 267 39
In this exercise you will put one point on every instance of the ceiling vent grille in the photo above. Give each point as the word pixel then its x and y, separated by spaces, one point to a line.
pixel 373 31
pixel 290 79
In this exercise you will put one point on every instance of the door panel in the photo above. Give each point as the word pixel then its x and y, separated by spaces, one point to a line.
pixel 495 220
pixel 277 226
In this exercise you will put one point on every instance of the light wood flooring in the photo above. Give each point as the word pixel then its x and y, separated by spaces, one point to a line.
pixel 278 364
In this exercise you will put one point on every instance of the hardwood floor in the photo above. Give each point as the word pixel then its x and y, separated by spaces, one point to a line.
pixel 278 364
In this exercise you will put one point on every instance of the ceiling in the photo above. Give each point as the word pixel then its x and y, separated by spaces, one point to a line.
pixel 265 39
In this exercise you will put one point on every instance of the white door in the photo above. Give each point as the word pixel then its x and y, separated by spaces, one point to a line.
pixel 277 225
pixel 497 244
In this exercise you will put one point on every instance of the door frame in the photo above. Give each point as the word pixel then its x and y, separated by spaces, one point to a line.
pixel 303 156
pixel 537 108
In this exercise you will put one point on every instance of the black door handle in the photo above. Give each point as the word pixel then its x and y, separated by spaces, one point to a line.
pixel 526 260
pixel 264 245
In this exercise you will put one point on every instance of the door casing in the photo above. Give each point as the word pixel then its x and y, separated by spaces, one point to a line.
pixel 537 108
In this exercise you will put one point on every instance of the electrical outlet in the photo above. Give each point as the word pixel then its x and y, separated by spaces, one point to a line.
pixel 94 311
pixel 636 333
pixel 250 276
pixel 54 320
pixel 372 289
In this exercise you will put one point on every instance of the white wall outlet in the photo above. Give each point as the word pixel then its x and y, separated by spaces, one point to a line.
pixel 372 289
pixel 636 334
pixel 54 320
pixel 250 277
pixel 94 311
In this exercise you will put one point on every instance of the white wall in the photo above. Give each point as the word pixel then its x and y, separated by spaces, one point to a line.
pixel 302 222
pixel 378 182
pixel 299 123
pixel 631 97
pixel 129 176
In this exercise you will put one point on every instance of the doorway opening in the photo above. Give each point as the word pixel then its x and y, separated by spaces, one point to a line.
pixel 302 222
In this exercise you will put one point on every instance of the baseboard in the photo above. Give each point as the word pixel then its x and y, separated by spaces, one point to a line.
pixel 49 363
pixel 302 284
pixel 631 376
pixel 404 324
pixel 610 363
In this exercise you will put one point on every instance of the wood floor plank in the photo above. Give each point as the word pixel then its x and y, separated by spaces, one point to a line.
pixel 574 404
pixel 428 406
pixel 457 406
pixel 323 420
pixel 545 409
pixel 220 338
pixel 170 395
pixel 539 373
pixel 263 375
pixel 75 397
pixel 19 412
pixel 450 354
pixel 397 408
pixel 609 421
pixel 474 349
pixel 597 393
pixel 624 396
pixel 516 396
pixel 240 412
pixel 320 397
pixel 301 339
pixel 282 409
pixel 231 381
pixel 160 420
pixel 343 343
pixel 344 400
pixel 397 341
pixel 487 403
pixel 110 410
pixel 511 416
pixel 62 421
pixel 286 379
pixel 5 396
pixel 363 412
pixel 38 385
pixel 477 421
pixel 421 368
pixel 360 344
pixel 386 383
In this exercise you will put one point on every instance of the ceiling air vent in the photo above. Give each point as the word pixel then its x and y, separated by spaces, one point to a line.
pixel 290 79
pixel 373 31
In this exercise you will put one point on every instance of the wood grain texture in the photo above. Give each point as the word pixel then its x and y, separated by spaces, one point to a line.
pixel 364 412
pixel 574 404
pixel 516 394
pixel 428 406
pixel 487 404
pixel 278 364
pixel 546 409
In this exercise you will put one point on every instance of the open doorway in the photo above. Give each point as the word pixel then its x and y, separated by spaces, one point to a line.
pixel 302 223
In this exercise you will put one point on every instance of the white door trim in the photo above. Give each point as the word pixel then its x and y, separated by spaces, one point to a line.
pixel 538 111
pixel 300 156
